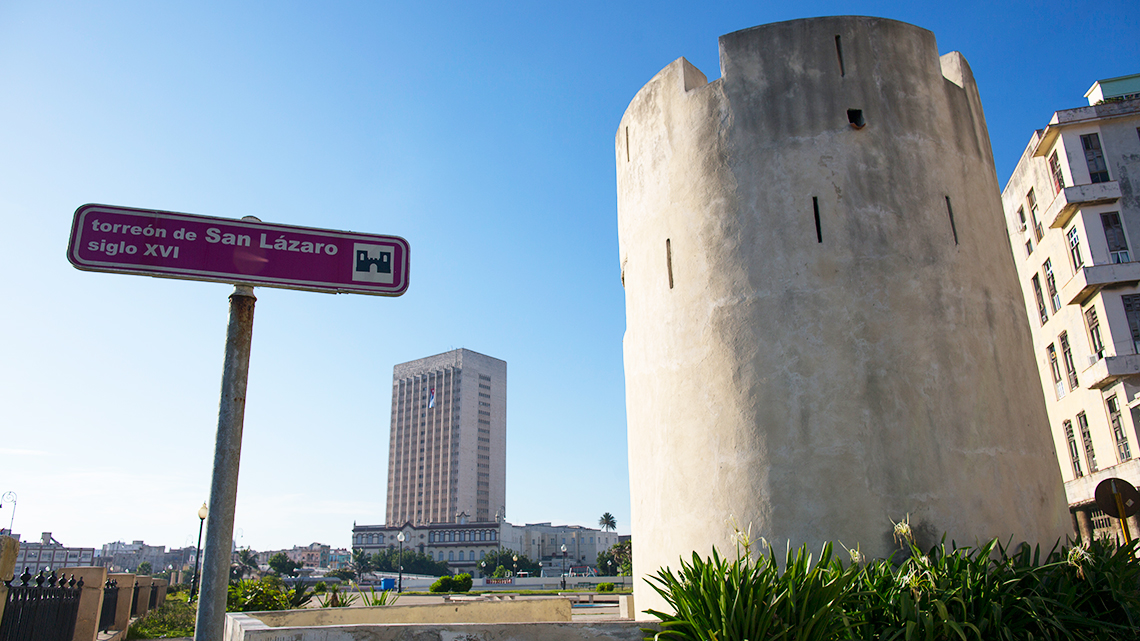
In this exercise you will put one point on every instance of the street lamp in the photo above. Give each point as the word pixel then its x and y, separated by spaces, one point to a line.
pixel 202 513
pixel 563 566
pixel 400 586
pixel 483 569
pixel 609 567
pixel 9 496
pixel 516 565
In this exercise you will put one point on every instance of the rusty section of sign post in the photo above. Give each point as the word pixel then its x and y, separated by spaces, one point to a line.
pixel 211 620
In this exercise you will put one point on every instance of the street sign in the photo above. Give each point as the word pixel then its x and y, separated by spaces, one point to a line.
pixel 167 244
pixel 1117 498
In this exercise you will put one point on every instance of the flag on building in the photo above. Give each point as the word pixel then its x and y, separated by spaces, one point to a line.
pixel 431 399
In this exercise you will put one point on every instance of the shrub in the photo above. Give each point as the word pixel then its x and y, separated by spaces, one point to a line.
pixel 174 618
pixel 442 584
pixel 605 587
pixel 461 583
pixel 985 592
pixel 334 598
pixel 320 587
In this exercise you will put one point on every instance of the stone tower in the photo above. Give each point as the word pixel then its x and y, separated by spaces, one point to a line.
pixel 824 329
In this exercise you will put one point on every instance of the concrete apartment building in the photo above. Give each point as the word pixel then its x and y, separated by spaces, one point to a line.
pixel 1073 216
pixel 448 443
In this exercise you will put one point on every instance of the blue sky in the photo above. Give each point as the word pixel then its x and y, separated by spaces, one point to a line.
pixel 482 133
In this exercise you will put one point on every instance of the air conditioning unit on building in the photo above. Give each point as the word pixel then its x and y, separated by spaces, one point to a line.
pixel 1021 227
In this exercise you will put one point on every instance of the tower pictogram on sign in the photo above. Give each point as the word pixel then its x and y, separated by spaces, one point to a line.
pixel 372 263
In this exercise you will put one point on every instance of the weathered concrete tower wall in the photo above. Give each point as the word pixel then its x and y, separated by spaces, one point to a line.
pixel 815 343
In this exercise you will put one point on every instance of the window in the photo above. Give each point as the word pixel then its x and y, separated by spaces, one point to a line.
pixel 1055 170
pixel 1123 452
pixel 1098 170
pixel 1132 313
pixel 1040 300
pixel 1055 368
pixel 1075 249
pixel 1090 455
pixel 1051 286
pixel 1067 356
pixel 1021 217
pixel 1028 248
pixel 1114 234
pixel 1096 343
pixel 1031 198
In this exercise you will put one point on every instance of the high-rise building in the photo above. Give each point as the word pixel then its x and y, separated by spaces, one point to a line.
pixel 1073 214
pixel 448 446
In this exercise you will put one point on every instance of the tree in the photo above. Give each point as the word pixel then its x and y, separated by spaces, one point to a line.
pixel 623 555
pixel 607 522
pixel 361 563
pixel 144 568
pixel 245 562
pixel 506 558
pixel 282 564
pixel 414 562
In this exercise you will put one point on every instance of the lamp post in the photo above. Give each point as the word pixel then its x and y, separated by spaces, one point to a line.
pixel 9 496
pixel 515 566
pixel 609 567
pixel 482 569
pixel 563 566
pixel 202 513
pixel 400 584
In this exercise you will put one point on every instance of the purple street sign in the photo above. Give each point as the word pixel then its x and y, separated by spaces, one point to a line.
pixel 172 245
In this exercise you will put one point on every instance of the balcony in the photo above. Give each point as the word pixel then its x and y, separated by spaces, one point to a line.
pixel 1092 278
pixel 1071 199
pixel 1110 369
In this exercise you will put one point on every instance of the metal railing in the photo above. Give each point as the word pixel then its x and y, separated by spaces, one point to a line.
pixel 135 601
pixel 41 612
pixel 110 604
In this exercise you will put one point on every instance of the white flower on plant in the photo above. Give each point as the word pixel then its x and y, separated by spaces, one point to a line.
pixel 902 531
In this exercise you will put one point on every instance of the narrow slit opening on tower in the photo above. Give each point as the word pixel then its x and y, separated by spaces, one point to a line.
pixel 839 52
pixel 818 229
pixel 627 144
pixel 669 261
pixel 953 227
pixel 855 117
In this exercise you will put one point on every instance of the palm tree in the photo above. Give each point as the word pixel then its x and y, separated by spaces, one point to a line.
pixel 608 522
pixel 245 562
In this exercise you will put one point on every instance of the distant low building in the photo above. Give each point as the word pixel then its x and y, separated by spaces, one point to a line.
pixel 314 555
pixel 49 554
pixel 462 545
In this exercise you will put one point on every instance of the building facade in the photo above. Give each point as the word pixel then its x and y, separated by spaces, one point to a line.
pixel 464 544
pixel 49 554
pixel 1072 211
pixel 461 544
pixel 823 329
pixel 448 441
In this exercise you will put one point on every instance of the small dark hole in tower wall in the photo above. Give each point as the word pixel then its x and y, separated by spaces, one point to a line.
pixel 669 261
pixel 818 229
pixel 953 227
pixel 855 117
pixel 839 52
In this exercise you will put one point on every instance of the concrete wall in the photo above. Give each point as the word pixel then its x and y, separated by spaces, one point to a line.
pixel 242 627
pixel 523 610
pixel 126 584
pixel 90 601
pixel 817 381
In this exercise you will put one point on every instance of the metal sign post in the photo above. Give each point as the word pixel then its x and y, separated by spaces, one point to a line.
pixel 245 253
pixel 211 620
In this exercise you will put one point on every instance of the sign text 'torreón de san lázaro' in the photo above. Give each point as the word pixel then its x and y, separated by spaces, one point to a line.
pixel 187 246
